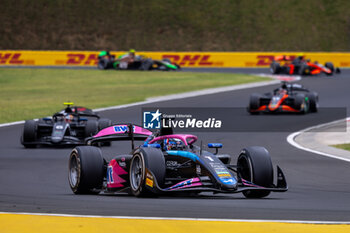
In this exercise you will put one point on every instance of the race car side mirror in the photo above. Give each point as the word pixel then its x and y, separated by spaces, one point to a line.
pixel 216 146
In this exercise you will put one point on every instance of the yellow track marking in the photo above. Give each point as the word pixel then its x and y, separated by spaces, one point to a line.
pixel 10 223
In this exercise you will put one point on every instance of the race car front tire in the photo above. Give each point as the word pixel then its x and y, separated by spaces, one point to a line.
pixel 313 101
pixel 86 170
pixel 254 103
pixel 29 135
pixel 151 159
pixel 254 165
pixel 275 67
pixel 330 66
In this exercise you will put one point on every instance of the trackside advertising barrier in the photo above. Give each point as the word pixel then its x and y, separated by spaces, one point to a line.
pixel 184 59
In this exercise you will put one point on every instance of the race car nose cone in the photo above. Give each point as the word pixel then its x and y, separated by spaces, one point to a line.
pixel 56 139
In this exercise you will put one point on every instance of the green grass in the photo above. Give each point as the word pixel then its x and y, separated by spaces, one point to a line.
pixel 33 93
pixel 343 146
pixel 176 25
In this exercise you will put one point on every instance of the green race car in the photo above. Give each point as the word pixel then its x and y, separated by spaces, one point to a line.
pixel 130 61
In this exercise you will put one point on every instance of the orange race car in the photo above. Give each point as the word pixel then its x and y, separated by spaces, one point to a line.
pixel 292 98
pixel 300 66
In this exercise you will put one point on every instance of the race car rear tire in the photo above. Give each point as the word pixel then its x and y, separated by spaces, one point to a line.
pixel 102 124
pixel 254 165
pixel 330 66
pixel 102 64
pixel 313 101
pixel 301 104
pixel 302 69
pixel 146 64
pixel 86 170
pixel 254 103
pixel 275 67
pixel 91 128
pixel 29 135
pixel 151 159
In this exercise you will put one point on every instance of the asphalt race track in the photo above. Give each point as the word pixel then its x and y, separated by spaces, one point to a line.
pixel 36 180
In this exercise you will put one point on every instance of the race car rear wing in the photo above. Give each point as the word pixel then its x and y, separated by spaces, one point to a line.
pixel 290 87
pixel 120 132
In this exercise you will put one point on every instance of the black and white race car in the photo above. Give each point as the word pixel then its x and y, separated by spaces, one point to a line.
pixel 289 98
pixel 68 127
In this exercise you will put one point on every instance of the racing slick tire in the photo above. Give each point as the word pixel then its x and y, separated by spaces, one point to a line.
pixel 91 128
pixel 313 101
pixel 275 68
pixel 301 103
pixel 330 66
pixel 29 134
pixel 146 64
pixel 302 69
pixel 102 64
pixel 151 159
pixel 254 103
pixel 254 165
pixel 86 170
pixel 102 124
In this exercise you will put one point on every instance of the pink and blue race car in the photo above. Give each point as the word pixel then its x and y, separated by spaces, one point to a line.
pixel 169 163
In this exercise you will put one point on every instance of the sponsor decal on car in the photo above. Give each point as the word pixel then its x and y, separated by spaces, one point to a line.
pixel 122 128
pixel 228 181
pixel 149 179
pixel 149 182
pixel 110 175
pixel 224 175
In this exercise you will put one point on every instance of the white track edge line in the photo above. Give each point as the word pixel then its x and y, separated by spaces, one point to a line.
pixel 292 136
pixel 176 96
pixel 183 219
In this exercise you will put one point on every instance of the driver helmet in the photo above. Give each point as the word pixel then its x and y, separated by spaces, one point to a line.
pixel 301 56
pixel 68 110
pixel 282 91
pixel 103 53
pixel 68 118
pixel 132 52
pixel 284 86
pixel 172 144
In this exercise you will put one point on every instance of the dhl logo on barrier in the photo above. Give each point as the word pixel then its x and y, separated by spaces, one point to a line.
pixel 184 59
pixel 79 59
pixel 192 60
pixel 14 59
